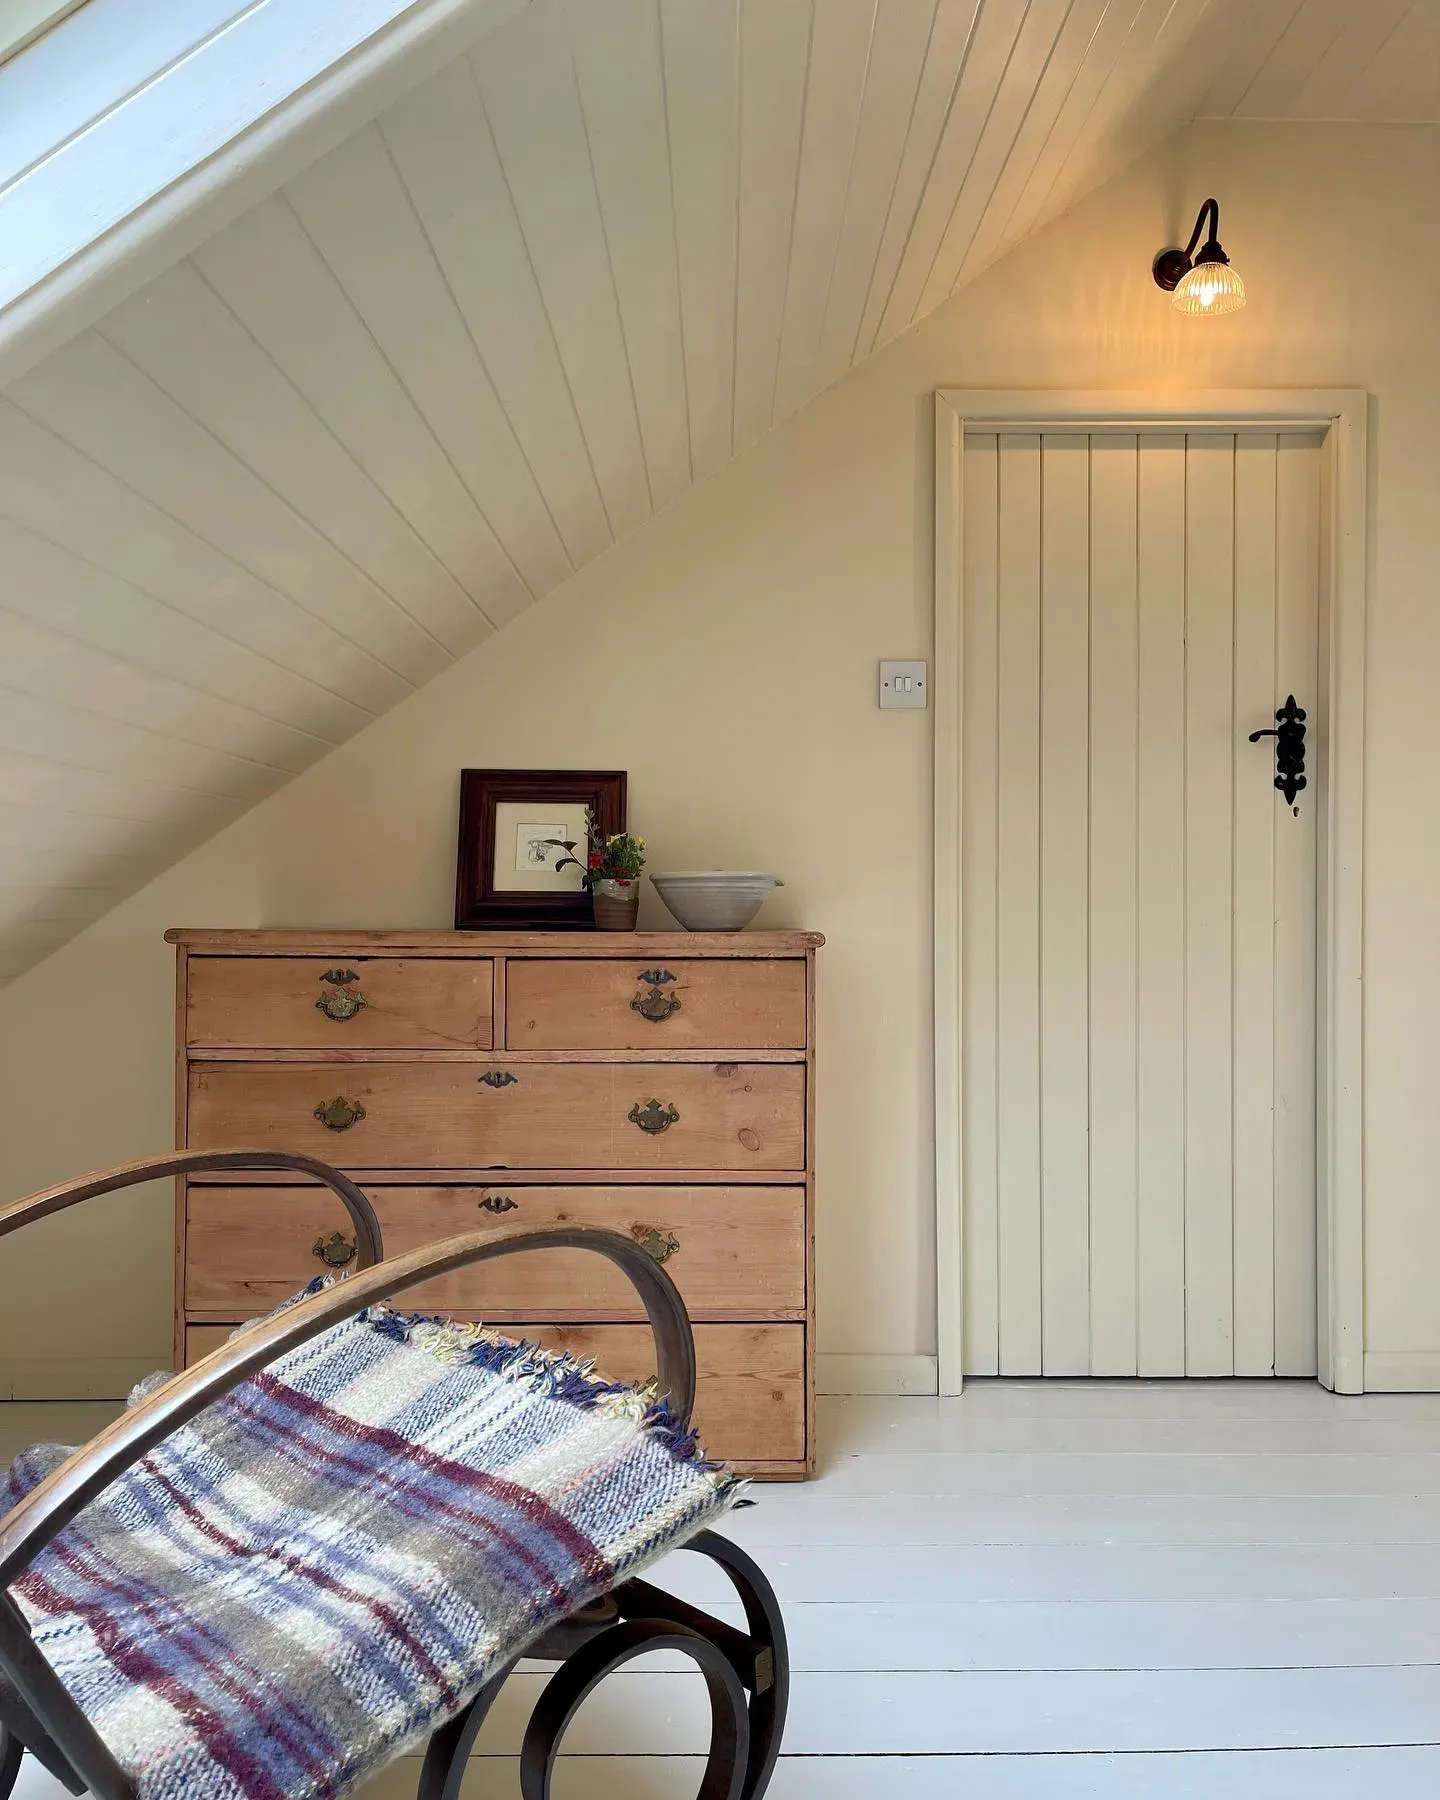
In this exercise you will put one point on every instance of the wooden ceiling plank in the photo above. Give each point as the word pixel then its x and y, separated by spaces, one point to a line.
pixel 323 681
pixel 1005 37
pixel 775 38
pixel 99 838
pixel 228 747
pixel 1126 24
pixel 31 781
pixel 52 587
pixel 1252 36
pixel 839 60
pixel 1014 140
pixel 443 147
pixel 1307 40
pixel 1164 66
pixel 528 87
pixel 1402 80
pixel 356 210
pixel 97 400
pixel 892 88
pixel 700 48
pixel 619 68
pixel 189 342
pixel 1329 91
pixel 71 731
pixel 956 24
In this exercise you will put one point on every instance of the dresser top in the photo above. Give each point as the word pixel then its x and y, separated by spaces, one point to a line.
pixel 628 944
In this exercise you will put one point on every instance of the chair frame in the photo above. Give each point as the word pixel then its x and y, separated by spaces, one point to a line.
pixel 746 1672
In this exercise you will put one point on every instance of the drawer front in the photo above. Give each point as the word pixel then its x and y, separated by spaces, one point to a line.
pixel 574 1004
pixel 533 1115
pixel 340 1003
pixel 734 1252
pixel 750 1396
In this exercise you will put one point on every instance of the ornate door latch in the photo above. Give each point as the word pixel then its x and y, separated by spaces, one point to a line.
pixel 339 1114
pixel 340 1002
pixel 1289 735
pixel 653 1117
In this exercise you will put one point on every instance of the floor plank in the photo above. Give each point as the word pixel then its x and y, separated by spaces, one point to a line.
pixel 1040 1589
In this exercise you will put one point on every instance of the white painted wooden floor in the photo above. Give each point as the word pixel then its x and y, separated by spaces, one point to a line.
pixel 1043 1589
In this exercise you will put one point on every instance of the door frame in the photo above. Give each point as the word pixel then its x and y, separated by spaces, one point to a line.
pixel 1340 415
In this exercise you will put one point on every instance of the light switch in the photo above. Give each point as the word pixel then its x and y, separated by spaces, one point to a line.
pixel 903 684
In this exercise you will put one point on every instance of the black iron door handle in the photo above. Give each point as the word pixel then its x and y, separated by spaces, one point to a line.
pixel 1289 735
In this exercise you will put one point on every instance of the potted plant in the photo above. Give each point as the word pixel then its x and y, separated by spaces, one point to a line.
pixel 611 870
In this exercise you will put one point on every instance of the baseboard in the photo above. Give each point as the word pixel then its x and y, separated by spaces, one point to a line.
pixel 1402 1372
pixel 894 1375
pixel 74 1377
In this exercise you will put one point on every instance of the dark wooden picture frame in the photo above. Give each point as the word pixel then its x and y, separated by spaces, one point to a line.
pixel 478 906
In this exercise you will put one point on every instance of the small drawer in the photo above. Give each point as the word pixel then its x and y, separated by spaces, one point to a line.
pixel 562 1115
pixel 749 1398
pixel 340 1002
pixel 734 1252
pixel 721 1004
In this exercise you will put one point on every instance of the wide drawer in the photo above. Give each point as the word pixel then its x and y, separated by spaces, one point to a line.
pixel 574 1004
pixel 340 1003
pixel 421 1114
pixel 750 1397
pixel 734 1252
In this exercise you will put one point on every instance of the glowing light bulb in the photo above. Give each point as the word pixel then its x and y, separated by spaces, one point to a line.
pixel 1209 289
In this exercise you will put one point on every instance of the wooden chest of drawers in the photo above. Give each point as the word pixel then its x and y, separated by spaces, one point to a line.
pixel 660 1083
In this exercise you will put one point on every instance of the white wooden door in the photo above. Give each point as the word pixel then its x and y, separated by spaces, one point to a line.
pixel 1138 904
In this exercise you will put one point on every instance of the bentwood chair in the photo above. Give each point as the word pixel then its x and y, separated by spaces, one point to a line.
pixel 331 1541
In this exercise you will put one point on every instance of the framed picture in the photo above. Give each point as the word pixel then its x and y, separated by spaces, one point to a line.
pixel 505 874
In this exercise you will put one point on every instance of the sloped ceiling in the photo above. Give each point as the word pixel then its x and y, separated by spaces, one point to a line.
pixel 404 397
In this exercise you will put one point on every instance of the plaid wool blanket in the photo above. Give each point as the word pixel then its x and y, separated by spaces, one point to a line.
pixel 327 1564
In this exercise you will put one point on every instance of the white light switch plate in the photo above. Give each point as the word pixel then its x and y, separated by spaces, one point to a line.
pixel 904 684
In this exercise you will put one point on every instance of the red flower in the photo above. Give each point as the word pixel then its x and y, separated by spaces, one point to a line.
pixel 594 859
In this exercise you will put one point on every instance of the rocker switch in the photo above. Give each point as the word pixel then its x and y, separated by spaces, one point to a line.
pixel 902 684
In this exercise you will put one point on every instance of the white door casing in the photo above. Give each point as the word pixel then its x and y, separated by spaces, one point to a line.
pixel 1119 870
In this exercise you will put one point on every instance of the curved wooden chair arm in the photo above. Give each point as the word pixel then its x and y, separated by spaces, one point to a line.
pixel 48 1508
pixel 368 1246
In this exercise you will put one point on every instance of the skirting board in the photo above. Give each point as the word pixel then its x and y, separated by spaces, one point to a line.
pixel 75 1377
pixel 892 1375
pixel 1402 1372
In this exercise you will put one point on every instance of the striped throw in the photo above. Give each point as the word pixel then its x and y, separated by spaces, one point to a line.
pixel 327 1564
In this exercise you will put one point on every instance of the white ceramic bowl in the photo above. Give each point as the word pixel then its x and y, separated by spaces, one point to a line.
pixel 715 899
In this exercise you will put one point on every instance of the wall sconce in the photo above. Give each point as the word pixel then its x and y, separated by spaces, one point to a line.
pixel 1202 282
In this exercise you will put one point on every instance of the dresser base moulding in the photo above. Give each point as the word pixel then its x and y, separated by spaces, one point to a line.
pixel 750 1393
pixel 494 1064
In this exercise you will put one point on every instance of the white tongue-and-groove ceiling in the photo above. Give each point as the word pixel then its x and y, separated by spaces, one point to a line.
pixel 399 401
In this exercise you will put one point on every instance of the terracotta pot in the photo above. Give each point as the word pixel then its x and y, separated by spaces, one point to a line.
pixel 617 905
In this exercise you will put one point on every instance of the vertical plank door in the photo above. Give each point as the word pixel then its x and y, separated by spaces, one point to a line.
pixel 1138 903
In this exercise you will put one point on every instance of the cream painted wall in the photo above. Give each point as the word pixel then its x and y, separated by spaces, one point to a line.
pixel 725 654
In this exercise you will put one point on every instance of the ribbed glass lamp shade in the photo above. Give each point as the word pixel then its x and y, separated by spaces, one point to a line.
pixel 1208 289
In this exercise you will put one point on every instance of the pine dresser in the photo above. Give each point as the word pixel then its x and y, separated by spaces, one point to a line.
pixel 659 1083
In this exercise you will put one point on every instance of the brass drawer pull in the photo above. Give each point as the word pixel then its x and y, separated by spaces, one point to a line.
pixel 335 1251
pixel 653 1117
pixel 662 1245
pixel 498 1078
pixel 339 1114
pixel 340 1003
pixel 498 1203
pixel 655 1005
